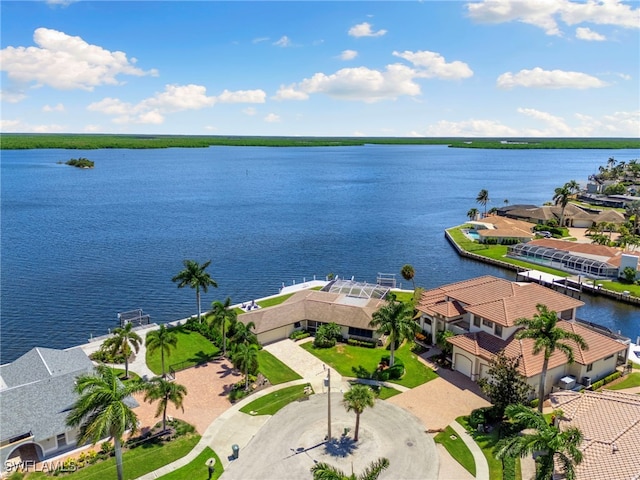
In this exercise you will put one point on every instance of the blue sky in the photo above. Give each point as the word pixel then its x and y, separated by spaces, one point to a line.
pixel 502 68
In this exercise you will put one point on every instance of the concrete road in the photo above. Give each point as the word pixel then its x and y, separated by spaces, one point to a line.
pixel 292 441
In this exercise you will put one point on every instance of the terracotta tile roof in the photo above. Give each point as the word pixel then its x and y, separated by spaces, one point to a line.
pixel 448 309
pixel 485 345
pixel 574 247
pixel 606 419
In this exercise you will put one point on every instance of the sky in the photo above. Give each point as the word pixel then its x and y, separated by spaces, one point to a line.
pixel 491 68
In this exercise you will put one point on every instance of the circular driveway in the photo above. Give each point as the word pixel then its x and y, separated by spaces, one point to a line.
pixel 292 441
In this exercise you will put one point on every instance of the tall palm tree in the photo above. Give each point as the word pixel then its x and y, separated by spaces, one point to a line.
pixel 165 392
pixel 195 276
pixel 221 314
pixel 561 197
pixel 395 319
pixel 162 339
pixel 324 471
pixel 547 338
pixel 483 199
pixel 573 186
pixel 472 214
pixel 243 335
pixel 357 399
pixel 103 410
pixel 632 211
pixel 557 447
pixel 123 342
pixel 245 358
pixel 408 273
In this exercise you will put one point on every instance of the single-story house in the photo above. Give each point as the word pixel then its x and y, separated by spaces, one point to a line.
pixel 574 216
pixel 610 424
pixel 482 313
pixel 501 228
pixel 349 304
pixel 36 393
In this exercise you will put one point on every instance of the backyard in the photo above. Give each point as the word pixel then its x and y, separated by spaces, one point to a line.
pixel 192 349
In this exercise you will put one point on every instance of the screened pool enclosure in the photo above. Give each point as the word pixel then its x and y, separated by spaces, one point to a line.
pixel 562 260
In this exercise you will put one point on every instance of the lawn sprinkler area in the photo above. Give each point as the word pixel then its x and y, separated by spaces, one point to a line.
pixel 294 440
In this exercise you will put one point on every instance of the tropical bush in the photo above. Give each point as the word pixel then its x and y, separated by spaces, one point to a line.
pixel 384 372
pixel 361 343
pixel 299 334
pixel 103 355
pixel 605 380
pixel 327 335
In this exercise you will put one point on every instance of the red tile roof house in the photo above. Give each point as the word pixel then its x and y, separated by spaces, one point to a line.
pixel 610 425
pixel 482 312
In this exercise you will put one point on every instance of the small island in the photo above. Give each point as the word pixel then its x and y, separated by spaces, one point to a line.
pixel 80 162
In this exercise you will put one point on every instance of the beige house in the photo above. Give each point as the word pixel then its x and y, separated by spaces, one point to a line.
pixel 351 308
pixel 573 216
pixel 610 424
pixel 482 313
pixel 500 228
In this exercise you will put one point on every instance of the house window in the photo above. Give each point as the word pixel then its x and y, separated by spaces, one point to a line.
pixel 360 332
pixel 609 357
pixel 62 440
pixel 589 367
pixel 476 321
pixel 427 321
pixel 296 325
pixel 487 323
pixel 498 330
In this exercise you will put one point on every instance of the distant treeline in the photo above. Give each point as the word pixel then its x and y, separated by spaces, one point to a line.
pixel 18 141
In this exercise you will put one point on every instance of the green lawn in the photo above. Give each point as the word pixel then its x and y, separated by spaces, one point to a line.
pixel 387 392
pixel 271 403
pixel 138 461
pixel 621 287
pixel 270 302
pixel 276 371
pixel 404 297
pixel 457 449
pixel 197 468
pixel 120 373
pixel 631 380
pixel 486 442
pixel 191 347
pixel 360 362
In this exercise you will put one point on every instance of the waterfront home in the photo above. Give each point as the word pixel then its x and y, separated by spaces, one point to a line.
pixel 347 303
pixel 36 392
pixel 610 425
pixel 573 215
pixel 482 313
pixel 502 228
pixel 596 261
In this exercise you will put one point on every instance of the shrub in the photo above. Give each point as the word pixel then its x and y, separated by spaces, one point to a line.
pixel 597 385
pixel 534 403
pixel 477 417
pixel 299 334
pixel 106 449
pixel 362 343
pixel 181 428
pixel 390 373
pixel 323 342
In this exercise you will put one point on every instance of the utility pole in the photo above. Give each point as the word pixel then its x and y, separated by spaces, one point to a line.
pixel 328 404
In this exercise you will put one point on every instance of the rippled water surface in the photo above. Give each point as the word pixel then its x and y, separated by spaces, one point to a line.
pixel 78 246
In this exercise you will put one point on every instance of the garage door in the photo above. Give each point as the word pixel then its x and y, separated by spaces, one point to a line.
pixel 273 335
pixel 484 370
pixel 463 365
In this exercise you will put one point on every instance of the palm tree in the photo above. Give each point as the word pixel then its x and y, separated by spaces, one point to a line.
pixel 547 337
pixel 223 313
pixel 557 446
pixel 123 342
pixel 195 276
pixel 506 202
pixel 561 197
pixel 162 339
pixel 395 319
pixel 472 214
pixel 245 358
pixel 324 471
pixel 243 335
pixel 408 273
pixel 160 389
pixel 357 399
pixel 103 410
pixel 483 199
pixel 632 211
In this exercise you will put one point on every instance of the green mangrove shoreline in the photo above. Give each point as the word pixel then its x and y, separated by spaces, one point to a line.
pixel 28 141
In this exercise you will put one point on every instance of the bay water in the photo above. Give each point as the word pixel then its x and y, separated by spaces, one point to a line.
pixel 78 246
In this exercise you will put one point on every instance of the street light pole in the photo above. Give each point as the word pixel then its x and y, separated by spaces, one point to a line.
pixel 328 404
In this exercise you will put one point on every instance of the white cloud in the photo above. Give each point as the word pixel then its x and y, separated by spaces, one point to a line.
pixel 546 13
pixel 585 33
pixel 272 118
pixel 362 83
pixel 348 55
pixel 260 39
pixel 283 42
pixel 470 128
pixel 289 92
pixel 621 124
pixel 10 126
pixel 364 30
pixel 242 96
pixel 65 63
pixel 56 108
pixel 539 78
pixel 174 98
pixel 433 64
pixel 10 96
pixel 92 128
